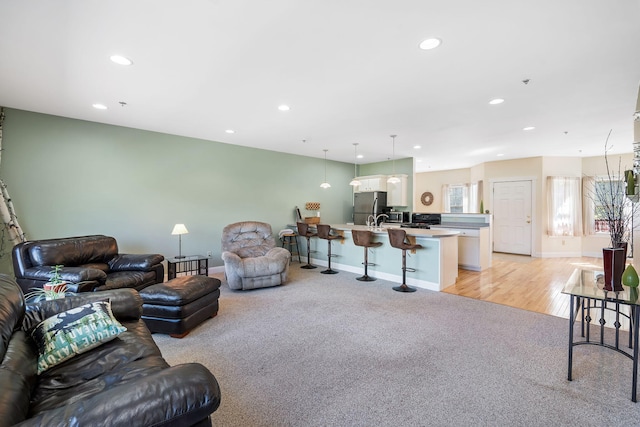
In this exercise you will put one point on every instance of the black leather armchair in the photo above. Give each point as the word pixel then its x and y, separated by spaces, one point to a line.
pixel 91 263
pixel 123 382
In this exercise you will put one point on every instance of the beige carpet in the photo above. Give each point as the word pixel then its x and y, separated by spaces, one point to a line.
pixel 327 350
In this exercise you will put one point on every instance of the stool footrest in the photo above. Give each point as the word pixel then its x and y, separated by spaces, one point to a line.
pixel 179 305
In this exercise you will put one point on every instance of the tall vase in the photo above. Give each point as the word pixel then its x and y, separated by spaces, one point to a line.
pixel 614 261
pixel 622 245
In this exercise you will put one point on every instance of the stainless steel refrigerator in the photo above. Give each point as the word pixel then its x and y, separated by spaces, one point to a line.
pixel 368 203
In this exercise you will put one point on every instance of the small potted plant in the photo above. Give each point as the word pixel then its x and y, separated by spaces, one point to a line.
pixel 55 288
pixel 55 283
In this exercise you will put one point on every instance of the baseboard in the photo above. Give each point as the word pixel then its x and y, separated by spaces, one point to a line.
pixel 562 255
pixel 593 254
pixel 218 269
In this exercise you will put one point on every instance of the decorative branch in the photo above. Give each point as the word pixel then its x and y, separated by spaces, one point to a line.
pixel 617 210
pixel 11 230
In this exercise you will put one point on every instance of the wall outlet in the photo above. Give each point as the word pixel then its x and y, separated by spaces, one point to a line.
pixel 209 254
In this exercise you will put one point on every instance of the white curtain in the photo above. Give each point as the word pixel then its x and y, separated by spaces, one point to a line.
pixel 465 199
pixel 446 206
pixel 564 206
pixel 474 204
pixel 588 190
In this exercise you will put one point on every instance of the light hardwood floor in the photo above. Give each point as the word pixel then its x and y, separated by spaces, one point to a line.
pixel 533 284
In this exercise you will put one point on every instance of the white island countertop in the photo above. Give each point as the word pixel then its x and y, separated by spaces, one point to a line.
pixel 416 232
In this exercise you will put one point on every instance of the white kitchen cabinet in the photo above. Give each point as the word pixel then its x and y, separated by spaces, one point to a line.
pixel 397 193
pixel 468 251
pixel 474 247
pixel 372 183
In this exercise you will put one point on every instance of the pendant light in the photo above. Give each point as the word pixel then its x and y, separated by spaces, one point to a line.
pixel 325 184
pixel 393 179
pixel 355 181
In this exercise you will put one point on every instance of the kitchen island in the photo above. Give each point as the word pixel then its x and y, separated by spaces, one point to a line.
pixel 436 264
pixel 474 245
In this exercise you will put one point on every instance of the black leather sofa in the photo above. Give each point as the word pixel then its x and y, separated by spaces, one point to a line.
pixel 123 382
pixel 91 263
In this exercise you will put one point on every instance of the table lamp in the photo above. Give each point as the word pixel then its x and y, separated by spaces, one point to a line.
pixel 179 229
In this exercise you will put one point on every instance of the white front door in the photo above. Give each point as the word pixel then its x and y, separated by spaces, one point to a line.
pixel 512 217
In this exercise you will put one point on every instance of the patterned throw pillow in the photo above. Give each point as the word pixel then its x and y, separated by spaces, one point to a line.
pixel 73 332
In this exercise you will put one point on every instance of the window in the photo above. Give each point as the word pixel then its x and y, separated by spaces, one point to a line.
pixel 605 197
pixel 456 204
pixel 609 198
pixel 455 198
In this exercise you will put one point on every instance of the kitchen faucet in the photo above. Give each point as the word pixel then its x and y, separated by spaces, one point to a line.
pixel 371 221
pixel 375 221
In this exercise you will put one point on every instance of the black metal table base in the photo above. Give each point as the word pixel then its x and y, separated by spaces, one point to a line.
pixel 187 265
pixel 584 305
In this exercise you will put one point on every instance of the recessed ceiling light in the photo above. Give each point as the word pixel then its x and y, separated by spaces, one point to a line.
pixel 99 106
pixel 529 128
pixel 360 156
pixel 284 108
pixel 496 101
pixel 499 155
pixel 429 44
pixel 417 147
pixel 120 60
pixel 230 131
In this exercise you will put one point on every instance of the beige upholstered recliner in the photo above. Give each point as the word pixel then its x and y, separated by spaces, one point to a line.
pixel 251 258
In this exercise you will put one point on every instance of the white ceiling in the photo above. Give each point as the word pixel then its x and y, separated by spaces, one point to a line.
pixel 350 70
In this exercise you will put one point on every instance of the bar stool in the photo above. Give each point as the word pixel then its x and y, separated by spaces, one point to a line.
pixel 289 240
pixel 303 230
pixel 363 238
pixel 324 232
pixel 397 238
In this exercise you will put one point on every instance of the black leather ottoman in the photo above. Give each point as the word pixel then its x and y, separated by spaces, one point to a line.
pixel 179 305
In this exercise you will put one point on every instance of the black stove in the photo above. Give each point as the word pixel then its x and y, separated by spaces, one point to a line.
pixel 423 220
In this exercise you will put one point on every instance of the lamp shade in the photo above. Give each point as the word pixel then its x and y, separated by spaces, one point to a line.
pixel 179 229
pixel 393 179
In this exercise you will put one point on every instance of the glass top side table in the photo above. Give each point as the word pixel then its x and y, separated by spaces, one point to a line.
pixel 187 265
pixel 585 287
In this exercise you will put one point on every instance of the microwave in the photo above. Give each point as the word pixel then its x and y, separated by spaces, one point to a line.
pixel 398 217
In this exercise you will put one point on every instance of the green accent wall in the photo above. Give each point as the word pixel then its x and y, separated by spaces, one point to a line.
pixel 402 166
pixel 69 177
